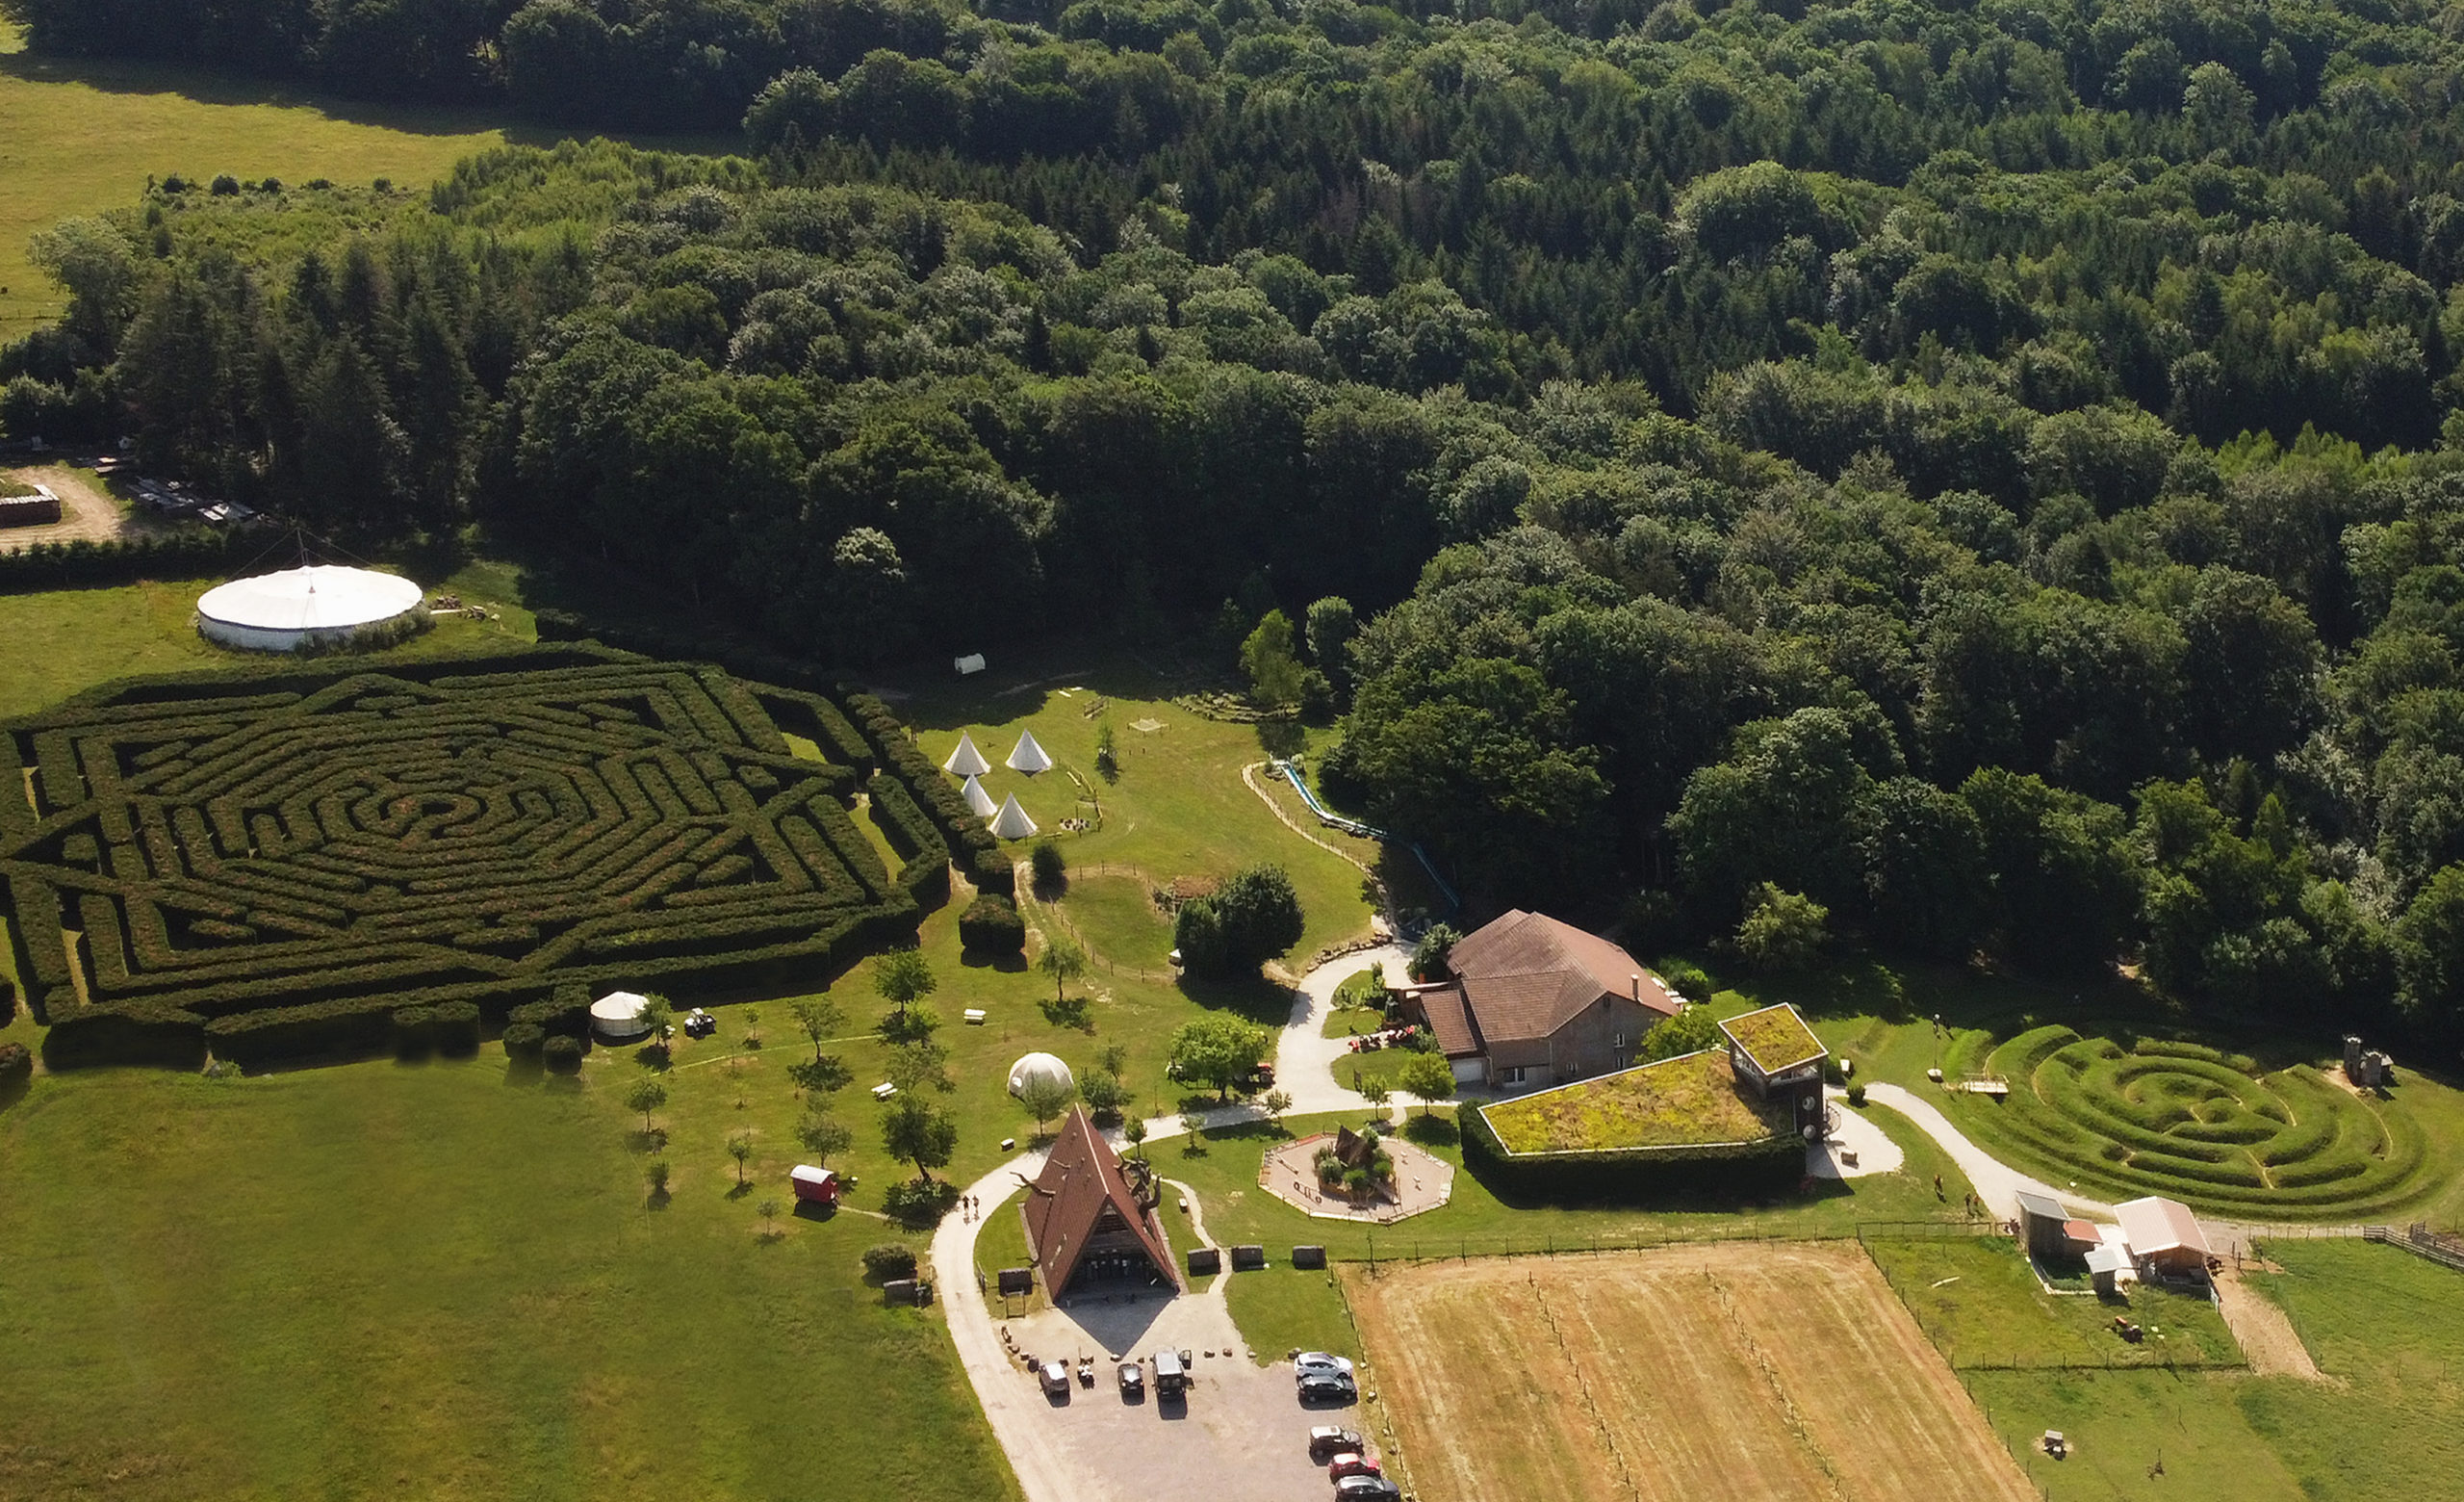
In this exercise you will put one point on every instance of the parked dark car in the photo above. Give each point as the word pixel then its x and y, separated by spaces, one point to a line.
pixel 1328 1440
pixel 1327 1388
pixel 1367 1489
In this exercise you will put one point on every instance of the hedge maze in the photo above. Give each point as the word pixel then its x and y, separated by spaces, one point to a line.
pixel 2200 1126
pixel 275 864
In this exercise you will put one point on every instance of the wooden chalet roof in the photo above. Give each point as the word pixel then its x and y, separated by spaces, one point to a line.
pixel 1526 975
pixel 1080 1178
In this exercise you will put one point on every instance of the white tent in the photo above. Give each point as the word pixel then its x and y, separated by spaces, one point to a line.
pixel 1040 1066
pixel 977 798
pixel 1012 823
pixel 1029 757
pixel 618 1015
pixel 966 761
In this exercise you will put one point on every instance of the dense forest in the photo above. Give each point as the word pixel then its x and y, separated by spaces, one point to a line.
pixel 1990 471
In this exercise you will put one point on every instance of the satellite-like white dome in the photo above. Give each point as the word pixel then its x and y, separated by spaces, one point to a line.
pixel 1040 1066
pixel 276 613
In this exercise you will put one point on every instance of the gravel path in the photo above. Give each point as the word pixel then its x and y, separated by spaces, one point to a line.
pixel 1303 1061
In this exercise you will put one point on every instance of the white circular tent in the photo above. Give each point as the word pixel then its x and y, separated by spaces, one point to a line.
pixel 618 1016
pixel 279 613
pixel 1040 1066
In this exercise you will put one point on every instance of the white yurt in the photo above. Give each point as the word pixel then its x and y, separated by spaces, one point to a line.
pixel 1029 756
pixel 966 761
pixel 1040 1066
pixel 618 1016
pixel 1012 823
pixel 977 798
pixel 279 613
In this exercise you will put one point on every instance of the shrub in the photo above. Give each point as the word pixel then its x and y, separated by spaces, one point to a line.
pixel 414 1032
pixel 562 1054
pixel 920 1203
pixel 991 925
pixel 889 1261
pixel 1687 979
pixel 524 1041
pixel 456 1026
pixel 1856 1094
pixel 16 1061
pixel 1048 865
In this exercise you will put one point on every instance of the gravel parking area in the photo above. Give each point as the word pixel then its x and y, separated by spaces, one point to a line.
pixel 1240 1434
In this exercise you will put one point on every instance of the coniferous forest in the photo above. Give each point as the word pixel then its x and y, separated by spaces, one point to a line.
pixel 1990 470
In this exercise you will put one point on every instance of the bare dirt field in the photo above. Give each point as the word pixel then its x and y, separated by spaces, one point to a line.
pixel 86 511
pixel 1729 1370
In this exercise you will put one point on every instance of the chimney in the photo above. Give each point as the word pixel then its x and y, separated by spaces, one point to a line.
pixel 1637 980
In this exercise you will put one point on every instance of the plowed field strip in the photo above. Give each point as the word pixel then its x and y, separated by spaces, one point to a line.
pixel 1729 1373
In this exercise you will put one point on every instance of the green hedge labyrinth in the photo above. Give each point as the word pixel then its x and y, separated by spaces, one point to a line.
pixel 2196 1125
pixel 274 864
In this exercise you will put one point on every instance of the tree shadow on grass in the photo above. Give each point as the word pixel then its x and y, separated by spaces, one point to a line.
pixel 523 1072
pixel 658 1200
pixel 647 1139
pixel 740 1189
pixel 1431 1130
pixel 1252 998
pixel 14 1087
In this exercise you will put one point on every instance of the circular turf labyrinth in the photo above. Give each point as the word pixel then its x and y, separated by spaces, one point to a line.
pixel 2191 1122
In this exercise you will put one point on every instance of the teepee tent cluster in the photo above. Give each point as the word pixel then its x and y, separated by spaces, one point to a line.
pixel 1012 823
pixel 966 761
pixel 977 798
pixel 1029 756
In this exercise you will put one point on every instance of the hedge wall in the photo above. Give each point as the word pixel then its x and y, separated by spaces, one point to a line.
pixel 187 553
pixel 1627 1175
pixel 991 925
pixel 709 856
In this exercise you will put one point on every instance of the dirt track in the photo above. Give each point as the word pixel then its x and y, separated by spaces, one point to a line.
pixel 1737 1370
pixel 86 511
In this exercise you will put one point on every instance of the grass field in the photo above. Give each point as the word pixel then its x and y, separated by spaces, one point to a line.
pixel 1280 1309
pixel 1224 1172
pixel 1717 1371
pixel 1178 808
pixel 81 136
pixel 1976 1298
pixel 447 1281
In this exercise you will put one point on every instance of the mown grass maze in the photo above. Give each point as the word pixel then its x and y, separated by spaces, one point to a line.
pixel 275 864
pixel 2191 1122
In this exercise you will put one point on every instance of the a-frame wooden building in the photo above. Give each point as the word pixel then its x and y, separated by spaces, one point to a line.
pixel 1088 1220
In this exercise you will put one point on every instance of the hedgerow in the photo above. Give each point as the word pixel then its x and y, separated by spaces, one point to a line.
pixel 992 925
pixel 275 862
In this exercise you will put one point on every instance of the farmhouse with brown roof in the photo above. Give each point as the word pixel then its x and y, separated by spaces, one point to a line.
pixel 1087 1219
pixel 1533 1002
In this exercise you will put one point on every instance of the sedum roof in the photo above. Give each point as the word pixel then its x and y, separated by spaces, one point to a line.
pixel 1775 1038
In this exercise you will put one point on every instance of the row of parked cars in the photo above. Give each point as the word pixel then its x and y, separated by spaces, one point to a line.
pixel 1326 1378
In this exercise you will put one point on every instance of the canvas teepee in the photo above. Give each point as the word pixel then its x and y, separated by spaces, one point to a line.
pixel 1012 823
pixel 977 798
pixel 966 761
pixel 1029 757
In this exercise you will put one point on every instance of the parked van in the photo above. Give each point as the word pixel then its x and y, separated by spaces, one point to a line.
pixel 1171 1378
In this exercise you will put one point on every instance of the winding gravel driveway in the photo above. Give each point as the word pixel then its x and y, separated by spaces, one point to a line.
pixel 1997 1186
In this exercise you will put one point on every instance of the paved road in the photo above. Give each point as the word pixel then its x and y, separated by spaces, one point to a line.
pixel 1303 1061
pixel 1997 1186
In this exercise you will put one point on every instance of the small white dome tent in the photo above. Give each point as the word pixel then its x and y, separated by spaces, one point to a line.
pixel 1040 1066
pixel 1029 756
pixel 966 761
pixel 618 1016
pixel 977 798
pixel 1012 823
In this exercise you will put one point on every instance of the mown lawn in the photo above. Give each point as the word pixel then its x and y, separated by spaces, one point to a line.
pixel 81 136
pixel 1280 1309
pixel 62 643
pixel 1178 807
pixel 2385 1327
pixel 1976 1298
pixel 1119 922
pixel 1224 1170
pixel 449 1280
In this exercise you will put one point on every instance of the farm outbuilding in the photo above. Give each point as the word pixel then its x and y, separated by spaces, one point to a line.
pixel 318 603
pixel 2044 1228
pixel 815 1185
pixel 2164 1235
